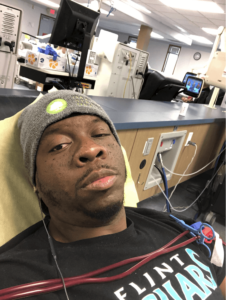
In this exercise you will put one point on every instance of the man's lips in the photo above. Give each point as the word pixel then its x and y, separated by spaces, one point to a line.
pixel 102 183
pixel 101 180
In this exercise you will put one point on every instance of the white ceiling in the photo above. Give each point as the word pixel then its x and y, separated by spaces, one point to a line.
pixel 191 21
pixel 162 18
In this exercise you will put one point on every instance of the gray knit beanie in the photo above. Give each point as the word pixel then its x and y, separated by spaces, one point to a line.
pixel 50 109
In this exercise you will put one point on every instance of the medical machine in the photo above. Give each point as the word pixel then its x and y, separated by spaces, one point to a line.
pixel 74 28
pixel 27 43
pixel 193 86
pixel 10 23
pixel 121 77
pixel 215 70
pixel 186 76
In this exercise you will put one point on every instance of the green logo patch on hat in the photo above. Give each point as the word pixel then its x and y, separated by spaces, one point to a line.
pixel 56 106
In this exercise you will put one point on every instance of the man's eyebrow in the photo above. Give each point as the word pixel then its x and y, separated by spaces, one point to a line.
pixel 59 129
pixel 96 120
pixel 51 131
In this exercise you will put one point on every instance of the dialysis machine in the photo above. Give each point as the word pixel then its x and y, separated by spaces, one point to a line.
pixel 215 70
pixel 10 22
pixel 123 77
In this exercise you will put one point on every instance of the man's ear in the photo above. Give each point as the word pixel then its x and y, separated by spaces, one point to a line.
pixel 44 208
pixel 42 205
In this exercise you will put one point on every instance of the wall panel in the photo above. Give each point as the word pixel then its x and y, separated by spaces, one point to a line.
pixel 208 137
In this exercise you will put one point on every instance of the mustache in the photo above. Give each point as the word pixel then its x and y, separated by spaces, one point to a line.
pixel 90 170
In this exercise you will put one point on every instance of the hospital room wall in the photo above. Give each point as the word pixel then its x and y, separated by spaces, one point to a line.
pixel 157 49
pixel 186 61
pixel 31 14
pixel 157 52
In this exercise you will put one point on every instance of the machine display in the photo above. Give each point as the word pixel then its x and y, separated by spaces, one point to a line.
pixel 193 86
pixel 186 76
pixel 74 28
pixel 10 22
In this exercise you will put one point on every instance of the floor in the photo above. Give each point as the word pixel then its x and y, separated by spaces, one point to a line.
pixel 183 196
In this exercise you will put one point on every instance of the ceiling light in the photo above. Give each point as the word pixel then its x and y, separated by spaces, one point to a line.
pixel 138 6
pixel 156 35
pixel 200 39
pixel 49 3
pixel 183 38
pixel 211 31
pixel 180 28
pixel 205 6
pixel 95 7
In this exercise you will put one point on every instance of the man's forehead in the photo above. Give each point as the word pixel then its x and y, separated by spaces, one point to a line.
pixel 58 126
pixel 75 116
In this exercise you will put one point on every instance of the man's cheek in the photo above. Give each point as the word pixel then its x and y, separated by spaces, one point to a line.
pixel 51 175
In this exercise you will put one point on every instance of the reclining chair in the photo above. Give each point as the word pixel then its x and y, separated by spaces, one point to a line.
pixel 159 88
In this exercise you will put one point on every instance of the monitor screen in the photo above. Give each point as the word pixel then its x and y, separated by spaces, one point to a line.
pixel 186 76
pixel 74 24
pixel 74 28
pixel 194 86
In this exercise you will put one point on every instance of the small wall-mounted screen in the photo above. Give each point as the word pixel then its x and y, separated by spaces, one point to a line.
pixel 186 76
pixel 194 85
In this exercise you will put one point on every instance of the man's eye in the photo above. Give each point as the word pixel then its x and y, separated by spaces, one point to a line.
pixel 102 134
pixel 58 147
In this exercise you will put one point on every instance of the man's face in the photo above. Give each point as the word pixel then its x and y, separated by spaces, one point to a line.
pixel 73 155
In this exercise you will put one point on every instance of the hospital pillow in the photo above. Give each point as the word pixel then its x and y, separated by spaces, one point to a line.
pixel 19 207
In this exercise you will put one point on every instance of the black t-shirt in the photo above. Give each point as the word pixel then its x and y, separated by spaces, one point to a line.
pixel 220 97
pixel 183 274
pixel 204 94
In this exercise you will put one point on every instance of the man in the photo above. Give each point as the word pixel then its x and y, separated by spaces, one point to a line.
pixel 205 96
pixel 74 160
pixel 220 97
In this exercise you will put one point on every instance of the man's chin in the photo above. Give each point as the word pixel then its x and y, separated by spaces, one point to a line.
pixel 104 214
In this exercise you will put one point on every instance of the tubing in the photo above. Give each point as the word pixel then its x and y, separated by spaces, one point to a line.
pixel 47 286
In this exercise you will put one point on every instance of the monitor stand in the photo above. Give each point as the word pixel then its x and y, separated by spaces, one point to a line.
pixel 83 58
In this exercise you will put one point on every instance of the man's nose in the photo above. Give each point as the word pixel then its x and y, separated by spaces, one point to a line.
pixel 89 151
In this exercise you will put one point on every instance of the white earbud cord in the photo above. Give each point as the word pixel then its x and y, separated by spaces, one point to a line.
pixel 53 251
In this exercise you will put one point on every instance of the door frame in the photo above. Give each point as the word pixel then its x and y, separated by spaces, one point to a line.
pixel 40 20
pixel 167 55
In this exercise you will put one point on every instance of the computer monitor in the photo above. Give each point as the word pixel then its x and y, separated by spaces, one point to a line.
pixel 193 86
pixel 186 76
pixel 74 28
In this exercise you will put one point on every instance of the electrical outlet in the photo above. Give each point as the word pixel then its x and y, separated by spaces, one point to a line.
pixel 188 139
pixel 147 146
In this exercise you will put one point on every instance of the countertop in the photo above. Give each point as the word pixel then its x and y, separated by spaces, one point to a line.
pixel 125 113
